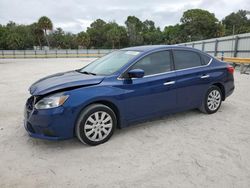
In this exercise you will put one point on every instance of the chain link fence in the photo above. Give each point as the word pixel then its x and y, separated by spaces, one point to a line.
pixel 54 53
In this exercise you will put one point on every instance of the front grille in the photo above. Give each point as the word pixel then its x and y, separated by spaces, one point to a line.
pixel 30 103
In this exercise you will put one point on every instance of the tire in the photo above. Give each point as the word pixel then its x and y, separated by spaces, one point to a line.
pixel 95 124
pixel 212 101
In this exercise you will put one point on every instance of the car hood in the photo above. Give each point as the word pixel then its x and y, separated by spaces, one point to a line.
pixel 62 81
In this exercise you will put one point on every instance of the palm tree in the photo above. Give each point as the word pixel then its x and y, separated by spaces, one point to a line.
pixel 45 24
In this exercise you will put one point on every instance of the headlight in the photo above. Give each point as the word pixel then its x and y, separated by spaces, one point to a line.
pixel 52 101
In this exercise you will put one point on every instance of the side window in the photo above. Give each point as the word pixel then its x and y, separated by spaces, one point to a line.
pixel 205 58
pixel 154 63
pixel 186 59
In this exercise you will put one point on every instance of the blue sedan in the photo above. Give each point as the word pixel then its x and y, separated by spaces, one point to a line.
pixel 125 87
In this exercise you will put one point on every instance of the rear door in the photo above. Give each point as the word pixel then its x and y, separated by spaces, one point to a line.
pixel 193 77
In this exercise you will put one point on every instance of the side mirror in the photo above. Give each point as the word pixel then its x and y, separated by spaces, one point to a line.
pixel 136 73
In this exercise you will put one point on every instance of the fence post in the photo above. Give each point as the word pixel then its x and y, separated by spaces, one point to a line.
pixel 193 45
pixel 222 56
pixel 203 46
pixel 215 47
pixel 2 54
pixel 236 46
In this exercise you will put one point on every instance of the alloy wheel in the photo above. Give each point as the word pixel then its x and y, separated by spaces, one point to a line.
pixel 213 100
pixel 98 126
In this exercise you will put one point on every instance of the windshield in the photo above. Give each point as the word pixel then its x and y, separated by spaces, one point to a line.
pixel 110 63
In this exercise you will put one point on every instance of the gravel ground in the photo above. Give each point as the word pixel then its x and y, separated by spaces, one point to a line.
pixel 188 149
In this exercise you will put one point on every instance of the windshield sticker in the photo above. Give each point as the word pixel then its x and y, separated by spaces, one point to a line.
pixel 132 52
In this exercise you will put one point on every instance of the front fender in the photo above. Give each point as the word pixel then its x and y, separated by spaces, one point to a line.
pixel 82 97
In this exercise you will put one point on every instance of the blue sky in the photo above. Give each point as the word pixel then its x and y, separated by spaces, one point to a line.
pixel 76 15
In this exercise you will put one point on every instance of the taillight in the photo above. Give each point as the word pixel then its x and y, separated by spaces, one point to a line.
pixel 230 69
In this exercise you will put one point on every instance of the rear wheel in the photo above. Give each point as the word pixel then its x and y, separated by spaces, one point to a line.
pixel 96 124
pixel 212 101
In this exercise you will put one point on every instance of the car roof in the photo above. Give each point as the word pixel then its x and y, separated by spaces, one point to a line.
pixel 148 48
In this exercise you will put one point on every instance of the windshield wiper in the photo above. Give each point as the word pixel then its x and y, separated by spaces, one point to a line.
pixel 86 72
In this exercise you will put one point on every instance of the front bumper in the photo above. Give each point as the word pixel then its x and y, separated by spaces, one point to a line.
pixel 51 124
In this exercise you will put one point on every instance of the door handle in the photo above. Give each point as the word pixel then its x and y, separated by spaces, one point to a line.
pixel 169 83
pixel 205 76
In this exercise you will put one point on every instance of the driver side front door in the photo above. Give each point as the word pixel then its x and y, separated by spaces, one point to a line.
pixel 155 93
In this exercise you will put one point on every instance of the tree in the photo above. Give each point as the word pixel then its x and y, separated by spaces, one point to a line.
pixel 3 34
pixel 97 33
pixel 38 33
pixel 14 41
pixel 16 37
pixel 56 38
pixel 151 34
pixel 200 24
pixel 236 23
pixel 148 25
pixel 83 39
pixel 134 29
pixel 45 24
pixel 123 42
pixel 115 35
pixel 174 34
pixel 70 41
pixel 196 24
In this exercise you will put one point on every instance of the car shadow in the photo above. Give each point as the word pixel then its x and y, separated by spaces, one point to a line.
pixel 167 120
pixel 74 143
pixel 55 144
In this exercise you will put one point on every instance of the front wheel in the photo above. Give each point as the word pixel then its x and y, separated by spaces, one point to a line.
pixel 212 101
pixel 96 124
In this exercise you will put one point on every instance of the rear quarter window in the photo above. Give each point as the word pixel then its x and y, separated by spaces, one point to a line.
pixel 205 59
